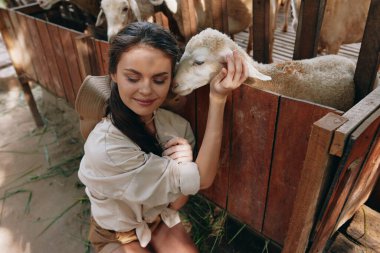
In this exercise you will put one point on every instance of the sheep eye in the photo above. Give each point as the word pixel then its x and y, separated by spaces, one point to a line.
pixel 198 62
pixel 125 9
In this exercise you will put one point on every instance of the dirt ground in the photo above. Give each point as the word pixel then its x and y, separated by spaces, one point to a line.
pixel 41 205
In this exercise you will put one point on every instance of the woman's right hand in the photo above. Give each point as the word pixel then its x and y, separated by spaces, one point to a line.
pixel 178 149
pixel 229 79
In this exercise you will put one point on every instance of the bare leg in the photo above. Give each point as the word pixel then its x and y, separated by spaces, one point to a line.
pixel 172 240
pixel 132 247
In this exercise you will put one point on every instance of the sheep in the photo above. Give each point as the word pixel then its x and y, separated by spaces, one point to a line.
pixel 119 13
pixel 343 23
pixel 286 5
pixel 89 9
pixel 89 6
pixel 326 80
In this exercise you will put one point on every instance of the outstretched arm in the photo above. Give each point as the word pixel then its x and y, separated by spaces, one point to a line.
pixel 221 85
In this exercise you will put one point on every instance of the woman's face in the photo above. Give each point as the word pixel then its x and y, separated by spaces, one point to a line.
pixel 143 76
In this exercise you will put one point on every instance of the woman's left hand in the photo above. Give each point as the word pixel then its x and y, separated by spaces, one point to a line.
pixel 178 149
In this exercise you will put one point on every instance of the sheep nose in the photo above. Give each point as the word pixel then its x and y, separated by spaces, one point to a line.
pixel 175 85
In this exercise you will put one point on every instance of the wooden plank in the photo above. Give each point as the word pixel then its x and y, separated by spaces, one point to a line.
pixel 71 58
pixel 83 61
pixel 365 228
pixel 8 35
pixel 56 85
pixel 104 47
pixel 74 35
pixel 316 172
pixel 24 39
pixel 219 15
pixel 99 58
pixel 309 26
pixel 294 123
pixel 369 56
pixel 62 64
pixel 349 167
pixel 357 114
pixel 91 46
pixel 21 60
pixel 188 17
pixel 44 78
pixel 37 65
pixel 190 110
pixel 261 28
pixel 368 175
pixel 254 120
pixel 218 191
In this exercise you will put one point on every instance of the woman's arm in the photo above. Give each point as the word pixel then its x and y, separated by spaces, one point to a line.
pixel 220 87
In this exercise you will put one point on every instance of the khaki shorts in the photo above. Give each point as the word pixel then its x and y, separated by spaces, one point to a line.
pixel 106 241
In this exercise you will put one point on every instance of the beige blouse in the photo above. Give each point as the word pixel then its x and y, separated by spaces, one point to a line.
pixel 129 188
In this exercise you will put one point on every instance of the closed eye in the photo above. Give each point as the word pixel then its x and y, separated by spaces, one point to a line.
pixel 198 62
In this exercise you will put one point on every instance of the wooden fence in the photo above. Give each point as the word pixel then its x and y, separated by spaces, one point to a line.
pixel 294 171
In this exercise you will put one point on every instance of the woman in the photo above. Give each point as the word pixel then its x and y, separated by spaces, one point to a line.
pixel 138 163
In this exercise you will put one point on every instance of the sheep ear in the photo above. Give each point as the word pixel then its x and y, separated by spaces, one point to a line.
pixel 172 5
pixel 101 18
pixel 254 73
pixel 223 53
pixel 135 9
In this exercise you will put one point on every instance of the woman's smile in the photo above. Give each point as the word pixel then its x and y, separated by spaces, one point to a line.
pixel 145 102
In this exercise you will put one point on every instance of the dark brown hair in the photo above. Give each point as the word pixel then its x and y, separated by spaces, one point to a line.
pixel 128 122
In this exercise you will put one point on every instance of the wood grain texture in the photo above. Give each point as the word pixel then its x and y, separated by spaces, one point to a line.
pixel 293 128
pixel 358 147
pixel 369 56
pixel 356 115
pixel 317 169
pixel 51 61
pixel 63 67
pixel 368 175
pixel 69 50
pixel 254 121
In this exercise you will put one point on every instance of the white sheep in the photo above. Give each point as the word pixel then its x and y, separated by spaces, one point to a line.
pixel 119 13
pixel 326 80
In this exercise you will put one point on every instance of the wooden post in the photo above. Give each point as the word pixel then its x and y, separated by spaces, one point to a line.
pixel 28 95
pixel 11 42
pixel 314 176
pixel 261 28
pixel 188 15
pixel 369 56
pixel 219 15
pixel 309 25
pixel 347 178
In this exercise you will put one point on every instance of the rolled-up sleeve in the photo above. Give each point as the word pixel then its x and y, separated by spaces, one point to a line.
pixel 186 177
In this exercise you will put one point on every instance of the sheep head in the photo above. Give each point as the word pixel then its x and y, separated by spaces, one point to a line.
pixel 118 14
pixel 204 56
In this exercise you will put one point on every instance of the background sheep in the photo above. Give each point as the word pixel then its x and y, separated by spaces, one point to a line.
pixel 88 8
pixel 343 23
pixel 326 80
pixel 119 13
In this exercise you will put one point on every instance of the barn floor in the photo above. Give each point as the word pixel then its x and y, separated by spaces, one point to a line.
pixel 40 198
